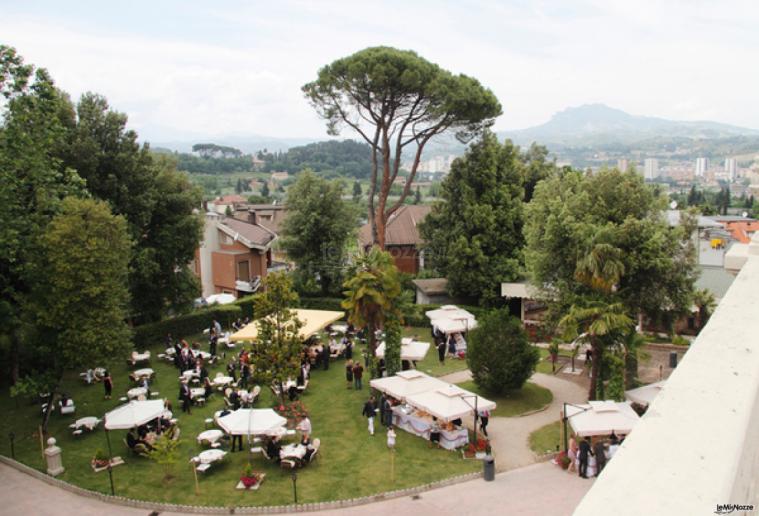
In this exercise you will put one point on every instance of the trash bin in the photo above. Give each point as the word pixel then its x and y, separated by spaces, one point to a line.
pixel 488 468
pixel 672 359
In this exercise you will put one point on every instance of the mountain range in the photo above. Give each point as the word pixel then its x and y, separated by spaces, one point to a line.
pixel 598 124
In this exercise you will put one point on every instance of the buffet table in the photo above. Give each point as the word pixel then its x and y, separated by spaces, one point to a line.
pixel 413 422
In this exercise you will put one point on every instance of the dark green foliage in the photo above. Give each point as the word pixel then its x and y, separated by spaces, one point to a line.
pixel 392 346
pixel 152 334
pixel 212 165
pixel 316 230
pixel 322 303
pixel 211 150
pixel 347 158
pixel 474 237
pixel 498 353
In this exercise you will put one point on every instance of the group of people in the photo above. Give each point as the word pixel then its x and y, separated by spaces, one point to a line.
pixel 592 456
pixel 444 345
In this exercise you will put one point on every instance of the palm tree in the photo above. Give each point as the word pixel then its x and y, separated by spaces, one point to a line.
pixel 602 322
pixel 706 304
pixel 372 293
pixel 601 268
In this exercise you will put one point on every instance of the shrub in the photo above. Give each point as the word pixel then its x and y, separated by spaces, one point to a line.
pixel 322 303
pixel 499 355
pixel 188 324
pixel 679 340
pixel 246 305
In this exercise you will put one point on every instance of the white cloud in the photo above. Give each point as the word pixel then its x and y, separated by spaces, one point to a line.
pixel 238 70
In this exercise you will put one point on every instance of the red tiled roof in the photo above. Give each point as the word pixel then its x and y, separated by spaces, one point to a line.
pixel 253 233
pixel 401 228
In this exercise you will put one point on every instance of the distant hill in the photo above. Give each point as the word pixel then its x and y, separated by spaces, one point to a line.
pixel 598 124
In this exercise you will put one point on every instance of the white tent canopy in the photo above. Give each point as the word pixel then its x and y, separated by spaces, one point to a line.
pixel 407 383
pixel 134 413
pixel 646 394
pixel 449 403
pixel 252 422
pixel 410 350
pixel 602 418
pixel 313 321
pixel 451 319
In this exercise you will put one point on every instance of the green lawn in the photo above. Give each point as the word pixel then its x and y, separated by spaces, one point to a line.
pixel 546 438
pixel 529 398
pixel 431 365
pixel 351 463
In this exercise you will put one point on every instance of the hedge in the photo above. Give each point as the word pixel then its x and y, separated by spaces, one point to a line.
pixel 322 303
pixel 181 326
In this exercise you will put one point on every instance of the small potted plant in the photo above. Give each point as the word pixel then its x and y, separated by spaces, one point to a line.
pixel 248 478
pixel 100 460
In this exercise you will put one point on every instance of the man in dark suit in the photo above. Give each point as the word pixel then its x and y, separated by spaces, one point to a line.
pixel 599 450
pixel 184 395
pixel 585 451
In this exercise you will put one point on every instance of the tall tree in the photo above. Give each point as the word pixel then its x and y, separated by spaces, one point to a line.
pixel 279 345
pixel 157 202
pixel 318 226
pixel 373 293
pixel 33 181
pixel 571 213
pixel 81 307
pixel 394 99
pixel 474 237
pixel 356 191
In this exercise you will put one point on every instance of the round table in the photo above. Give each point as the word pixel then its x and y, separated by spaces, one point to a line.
pixel 210 436
pixel 222 380
pixel 209 456
pixel 136 392
pixel 145 371
pixel 89 422
pixel 197 392
pixel 297 451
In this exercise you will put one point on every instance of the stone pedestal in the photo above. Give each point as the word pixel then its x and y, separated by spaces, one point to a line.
pixel 53 458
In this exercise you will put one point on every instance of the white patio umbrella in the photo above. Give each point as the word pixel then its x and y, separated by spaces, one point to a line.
pixel 646 394
pixel 252 422
pixel 451 319
pixel 132 414
pixel 406 383
pixel 450 403
pixel 602 418
pixel 413 350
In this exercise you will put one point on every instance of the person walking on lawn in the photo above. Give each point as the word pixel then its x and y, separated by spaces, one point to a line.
pixel 358 372
pixel 370 410
pixel 349 373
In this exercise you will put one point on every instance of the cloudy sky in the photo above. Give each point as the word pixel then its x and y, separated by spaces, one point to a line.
pixel 182 69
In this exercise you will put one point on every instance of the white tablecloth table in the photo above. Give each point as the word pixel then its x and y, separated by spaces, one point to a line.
pixel 421 426
pixel 197 392
pixel 142 373
pixel 292 451
pixel 221 381
pixel 140 357
pixel 210 456
pixel 90 423
pixel 136 392
pixel 210 436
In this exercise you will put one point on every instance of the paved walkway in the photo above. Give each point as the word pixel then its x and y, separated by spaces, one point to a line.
pixel 509 436
pixel 536 490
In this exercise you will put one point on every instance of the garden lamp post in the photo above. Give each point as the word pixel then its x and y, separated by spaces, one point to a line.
pixel 12 436
pixel 110 460
pixel 294 476
pixel 476 413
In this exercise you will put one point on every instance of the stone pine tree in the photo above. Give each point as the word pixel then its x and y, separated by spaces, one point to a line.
pixel 80 309
pixel 397 102
pixel 279 345
pixel 474 237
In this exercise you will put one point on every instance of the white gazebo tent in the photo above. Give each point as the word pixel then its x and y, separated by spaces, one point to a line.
pixel 313 321
pixel 220 299
pixel 252 422
pixel 601 418
pixel 450 402
pixel 407 383
pixel 451 319
pixel 125 417
pixel 410 350
pixel 646 394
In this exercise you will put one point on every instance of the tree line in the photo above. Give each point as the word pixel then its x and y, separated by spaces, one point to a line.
pixel 96 231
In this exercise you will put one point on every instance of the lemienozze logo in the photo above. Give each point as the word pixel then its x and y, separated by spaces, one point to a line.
pixel 732 507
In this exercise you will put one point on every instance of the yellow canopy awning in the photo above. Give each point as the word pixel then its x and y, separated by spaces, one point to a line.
pixel 313 321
